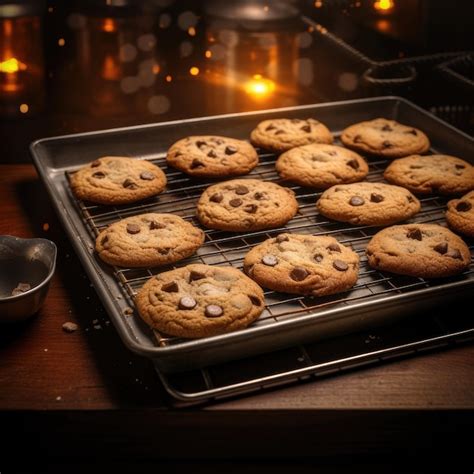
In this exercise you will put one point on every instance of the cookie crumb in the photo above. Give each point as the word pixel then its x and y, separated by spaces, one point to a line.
pixel 97 326
pixel 70 327
pixel 59 398
pixel 21 288
pixel 128 311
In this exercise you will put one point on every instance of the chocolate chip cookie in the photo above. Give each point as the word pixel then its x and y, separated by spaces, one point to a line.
pixel 148 240
pixel 420 250
pixel 200 301
pixel 282 134
pixel 385 138
pixel 246 204
pixel 117 180
pixel 368 203
pixel 431 174
pixel 303 264
pixel 460 214
pixel 321 166
pixel 212 156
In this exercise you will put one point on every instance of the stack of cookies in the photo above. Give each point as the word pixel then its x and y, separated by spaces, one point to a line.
pixel 197 300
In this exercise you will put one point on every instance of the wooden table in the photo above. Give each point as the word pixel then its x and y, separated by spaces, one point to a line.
pixel 81 395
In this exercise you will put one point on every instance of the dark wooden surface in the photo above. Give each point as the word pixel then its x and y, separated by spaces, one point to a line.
pixel 88 386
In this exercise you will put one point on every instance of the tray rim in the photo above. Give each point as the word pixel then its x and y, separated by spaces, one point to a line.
pixel 184 347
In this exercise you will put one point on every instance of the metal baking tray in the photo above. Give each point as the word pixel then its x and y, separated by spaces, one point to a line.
pixel 376 299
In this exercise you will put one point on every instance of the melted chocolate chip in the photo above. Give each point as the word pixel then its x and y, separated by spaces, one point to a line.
pixel 258 195
pixel 441 248
pixel 299 273
pixel 218 197
pixel 200 143
pixel 241 190
pixel 282 238
pixel 164 251
pixel 356 201
pixel 269 260
pixel 459 167
pixel 387 144
pixel 219 141
pixel 230 150
pixel 147 176
pixel 104 240
pixel 171 287
pixel 133 228
pixel 415 167
pixel 95 163
pixel 357 139
pixel 387 128
pixel 177 153
pixel 270 127
pixel 251 208
pixel 255 301
pixel 156 225
pixel 187 302
pixel 99 175
pixel 318 257
pixel 454 253
pixel 306 128
pixel 194 275
pixel 129 184
pixel 340 265
pixel 463 206
pixel 412 132
pixel 279 132
pixel 374 197
pixel 414 234
pixel 212 154
pixel 213 311
pixel 334 248
pixel 353 164
pixel 410 198
pixel 235 202
pixel 196 164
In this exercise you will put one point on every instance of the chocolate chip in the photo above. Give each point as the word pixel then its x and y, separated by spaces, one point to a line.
pixel 459 167
pixel 251 208
pixel 164 251
pixel 412 132
pixel 196 164
pixel 415 167
pixel 270 127
pixel 387 128
pixel 104 240
pixel 454 253
pixel 200 143
pixel 218 197
pixel 212 154
pixel 340 265
pixel 213 311
pixel 279 132
pixel 299 273
pixel 353 164
pixel 356 201
pixel 318 257
pixel 187 302
pixel 177 153
pixel 334 248
pixel 374 197
pixel 194 275
pixel 463 206
pixel 414 234
pixel 235 202
pixel 241 190
pixel 171 287
pixel 99 175
pixel 258 195
pixel 230 150
pixel 282 238
pixel 129 184
pixel 255 301
pixel 217 140
pixel 147 176
pixel 95 163
pixel 387 144
pixel 269 260
pixel 156 225
pixel 410 198
pixel 133 228
pixel 306 128
pixel 441 248
pixel 357 139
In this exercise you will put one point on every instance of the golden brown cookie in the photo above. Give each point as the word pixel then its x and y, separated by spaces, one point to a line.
pixel 368 203
pixel 460 214
pixel 303 264
pixel 282 134
pixel 148 240
pixel 246 205
pixel 385 138
pixel 321 166
pixel 431 174
pixel 200 301
pixel 420 250
pixel 117 180
pixel 212 156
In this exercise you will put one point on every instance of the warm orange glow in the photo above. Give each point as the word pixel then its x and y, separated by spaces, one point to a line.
pixel 194 71
pixel 192 31
pixel 208 54
pixel 109 25
pixel 384 5
pixel 11 66
pixel 259 87
pixel 168 78
pixel 61 41
pixel 318 3
pixel 156 68
pixel 24 108
pixel 111 68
